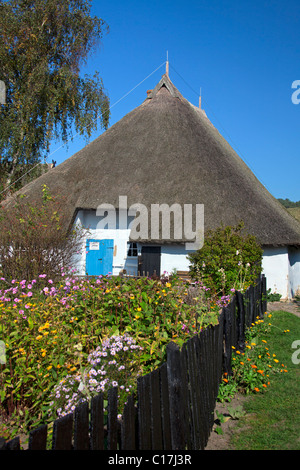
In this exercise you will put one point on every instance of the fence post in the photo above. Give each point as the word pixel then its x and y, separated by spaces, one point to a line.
pixel 240 320
pixel 97 423
pixel 112 418
pixel 263 295
pixel 227 341
pixel 128 426
pixel 175 397
pixel 144 412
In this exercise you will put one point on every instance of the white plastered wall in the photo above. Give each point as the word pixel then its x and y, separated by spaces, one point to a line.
pixel 294 271
pixel 281 266
pixel 89 221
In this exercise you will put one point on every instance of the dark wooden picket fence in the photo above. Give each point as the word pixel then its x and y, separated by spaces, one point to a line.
pixel 175 403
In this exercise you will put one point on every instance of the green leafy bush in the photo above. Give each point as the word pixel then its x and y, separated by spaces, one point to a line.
pixel 273 296
pixel 229 260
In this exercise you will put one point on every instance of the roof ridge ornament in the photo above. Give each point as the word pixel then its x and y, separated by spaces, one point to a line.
pixel 167 64
pixel 164 82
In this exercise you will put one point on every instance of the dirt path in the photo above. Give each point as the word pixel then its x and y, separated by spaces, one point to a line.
pixel 222 441
pixel 293 307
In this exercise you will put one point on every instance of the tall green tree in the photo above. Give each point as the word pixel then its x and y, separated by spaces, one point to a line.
pixel 43 45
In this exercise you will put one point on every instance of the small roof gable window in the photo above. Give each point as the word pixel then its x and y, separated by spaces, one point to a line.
pixel 132 249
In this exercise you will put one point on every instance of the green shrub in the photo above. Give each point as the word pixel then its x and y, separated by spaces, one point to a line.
pixel 229 260
pixel 273 296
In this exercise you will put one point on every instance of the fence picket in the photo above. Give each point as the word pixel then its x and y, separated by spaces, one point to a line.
pixel 81 427
pixel 175 396
pixel 128 425
pixel 13 444
pixel 165 408
pixel 112 419
pixel 97 423
pixel 155 402
pixel 38 438
pixel 240 320
pixel 186 399
pixel 63 433
pixel 144 412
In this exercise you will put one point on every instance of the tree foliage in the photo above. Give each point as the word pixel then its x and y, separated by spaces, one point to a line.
pixel 34 238
pixel 287 203
pixel 43 45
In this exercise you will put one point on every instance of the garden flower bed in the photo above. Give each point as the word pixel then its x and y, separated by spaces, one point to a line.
pixel 52 332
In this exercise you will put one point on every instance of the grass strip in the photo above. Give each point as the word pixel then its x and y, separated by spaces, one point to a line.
pixel 272 421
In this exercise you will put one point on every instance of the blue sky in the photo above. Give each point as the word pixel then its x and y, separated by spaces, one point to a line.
pixel 243 55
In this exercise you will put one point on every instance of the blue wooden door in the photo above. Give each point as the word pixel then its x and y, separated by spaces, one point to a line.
pixel 99 257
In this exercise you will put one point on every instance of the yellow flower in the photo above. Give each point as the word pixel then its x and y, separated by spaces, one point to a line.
pixel 139 309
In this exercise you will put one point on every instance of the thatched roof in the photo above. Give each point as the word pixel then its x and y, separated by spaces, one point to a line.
pixel 167 151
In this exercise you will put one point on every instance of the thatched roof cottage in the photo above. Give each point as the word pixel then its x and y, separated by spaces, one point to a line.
pixel 166 151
